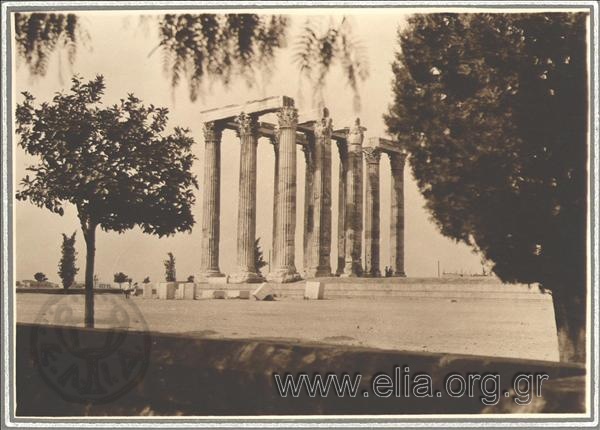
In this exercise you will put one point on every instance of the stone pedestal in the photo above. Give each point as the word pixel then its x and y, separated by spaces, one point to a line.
pixel 397 215
pixel 209 260
pixel 148 291
pixel 353 222
pixel 372 223
pixel 284 268
pixel 246 229
pixel 319 264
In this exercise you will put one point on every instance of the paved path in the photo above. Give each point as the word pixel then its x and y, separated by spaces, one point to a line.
pixel 503 328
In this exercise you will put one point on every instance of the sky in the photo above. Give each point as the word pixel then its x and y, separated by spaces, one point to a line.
pixel 120 49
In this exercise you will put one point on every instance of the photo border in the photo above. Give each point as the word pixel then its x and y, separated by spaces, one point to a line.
pixel 7 292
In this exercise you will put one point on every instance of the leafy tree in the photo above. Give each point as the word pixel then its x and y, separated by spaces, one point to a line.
pixel 120 277
pixel 260 261
pixel 66 266
pixel 115 164
pixel 170 274
pixel 493 111
pixel 40 277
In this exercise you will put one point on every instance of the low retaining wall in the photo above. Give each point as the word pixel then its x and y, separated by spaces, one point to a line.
pixel 187 375
pixel 34 290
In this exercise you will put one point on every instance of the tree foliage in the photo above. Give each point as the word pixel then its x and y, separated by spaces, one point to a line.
pixel 40 277
pixel 218 46
pixel 66 266
pixel 207 48
pixel 120 278
pixel 39 35
pixel 260 261
pixel 170 273
pixel 318 50
pixel 117 165
pixel 493 111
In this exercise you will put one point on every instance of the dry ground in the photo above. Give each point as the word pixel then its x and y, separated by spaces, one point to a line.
pixel 502 328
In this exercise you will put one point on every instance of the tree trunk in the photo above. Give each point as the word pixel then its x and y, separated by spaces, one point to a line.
pixel 570 315
pixel 89 233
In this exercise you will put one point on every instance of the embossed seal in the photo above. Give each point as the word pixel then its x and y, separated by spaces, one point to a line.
pixel 91 365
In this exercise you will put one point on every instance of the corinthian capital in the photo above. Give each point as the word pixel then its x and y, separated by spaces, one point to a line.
pixel 288 117
pixel 356 133
pixel 212 132
pixel 324 126
pixel 246 125
pixel 372 155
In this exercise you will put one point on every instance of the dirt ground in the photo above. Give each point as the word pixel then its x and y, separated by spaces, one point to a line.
pixel 502 328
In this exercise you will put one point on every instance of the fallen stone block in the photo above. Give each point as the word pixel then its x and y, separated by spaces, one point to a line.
pixel 264 292
pixel 219 294
pixel 244 294
pixel 233 294
pixel 204 294
pixel 166 290
pixel 314 290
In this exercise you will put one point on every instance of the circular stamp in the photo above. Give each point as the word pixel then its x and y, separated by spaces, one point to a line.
pixel 91 365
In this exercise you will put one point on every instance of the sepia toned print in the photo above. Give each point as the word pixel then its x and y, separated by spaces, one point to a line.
pixel 334 215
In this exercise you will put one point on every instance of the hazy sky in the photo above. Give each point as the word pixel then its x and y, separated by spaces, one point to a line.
pixel 119 49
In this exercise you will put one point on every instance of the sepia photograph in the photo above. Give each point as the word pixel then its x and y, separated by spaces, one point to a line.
pixel 318 214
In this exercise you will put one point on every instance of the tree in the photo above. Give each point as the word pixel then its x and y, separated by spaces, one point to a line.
pixel 170 274
pixel 40 277
pixel 493 111
pixel 260 261
pixel 120 277
pixel 146 280
pixel 66 266
pixel 115 164
pixel 191 278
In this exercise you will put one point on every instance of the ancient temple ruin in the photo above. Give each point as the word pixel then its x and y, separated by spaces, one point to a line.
pixel 315 136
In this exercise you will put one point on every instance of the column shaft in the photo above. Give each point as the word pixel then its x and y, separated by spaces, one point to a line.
pixel 341 229
pixel 397 215
pixel 284 268
pixel 308 202
pixel 246 234
pixel 275 143
pixel 354 221
pixel 211 199
pixel 320 243
pixel 372 223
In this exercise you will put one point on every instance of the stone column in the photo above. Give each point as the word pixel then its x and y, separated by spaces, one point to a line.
pixel 354 224
pixel 246 233
pixel 397 216
pixel 211 200
pixel 372 223
pixel 275 143
pixel 341 234
pixel 308 201
pixel 320 243
pixel 284 268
